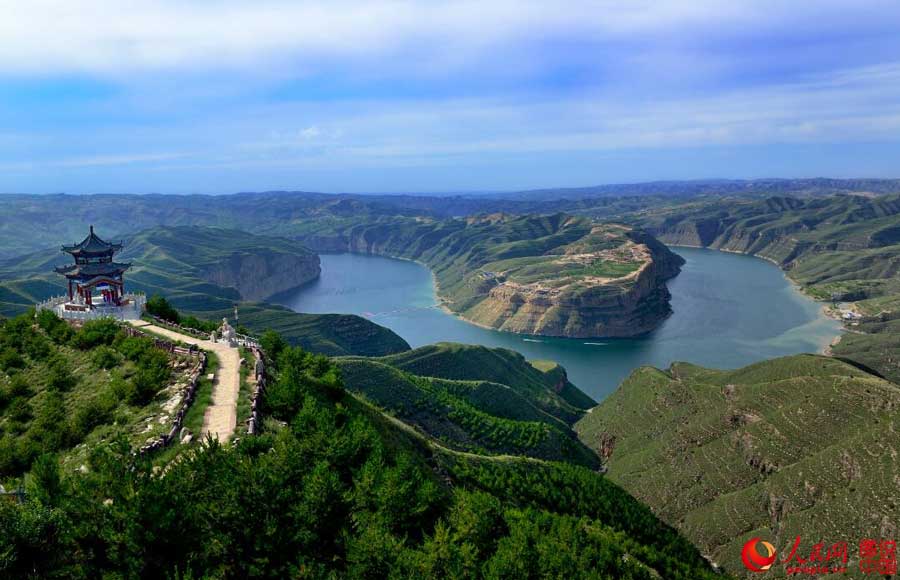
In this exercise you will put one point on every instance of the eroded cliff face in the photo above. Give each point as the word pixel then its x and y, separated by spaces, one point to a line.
pixel 591 307
pixel 260 275
pixel 552 276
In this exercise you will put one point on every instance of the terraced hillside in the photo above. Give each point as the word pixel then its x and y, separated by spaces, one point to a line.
pixel 826 243
pixel 477 399
pixel 803 445
pixel 33 222
pixel 205 271
pixel 844 249
pixel 333 487
pixel 193 264
pixel 554 275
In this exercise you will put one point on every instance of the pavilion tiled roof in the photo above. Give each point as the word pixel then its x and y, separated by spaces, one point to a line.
pixel 92 244
pixel 92 270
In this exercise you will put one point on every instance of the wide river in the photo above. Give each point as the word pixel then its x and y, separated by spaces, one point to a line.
pixel 729 310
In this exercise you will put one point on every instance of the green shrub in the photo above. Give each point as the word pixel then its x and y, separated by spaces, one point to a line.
pixel 273 344
pixel 197 324
pixel 105 357
pixel 55 327
pixel 16 331
pixel 159 306
pixel 133 347
pixel 19 387
pixel 121 389
pixel 151 376
pixel 50 427
pixel 89 415
pixel 44 483
pixel 38 347
pixel 19 410
pixel 59 376
pixel 10 360
pixel 146 383
pixel 97 332
pixel 15 457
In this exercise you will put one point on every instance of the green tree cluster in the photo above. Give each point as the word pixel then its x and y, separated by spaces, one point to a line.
pixel 41 411
pixel 330 489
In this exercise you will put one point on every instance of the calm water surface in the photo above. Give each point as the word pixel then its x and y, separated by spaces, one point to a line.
pixel 729 310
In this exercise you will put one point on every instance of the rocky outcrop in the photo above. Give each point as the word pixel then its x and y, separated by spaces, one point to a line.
pixel 260 275
pixel 497 292
pixel 623 307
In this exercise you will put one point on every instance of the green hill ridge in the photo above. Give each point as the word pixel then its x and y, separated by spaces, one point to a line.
pixel 332 487
pixel 203 271
pixel 475 398
pixel 803 445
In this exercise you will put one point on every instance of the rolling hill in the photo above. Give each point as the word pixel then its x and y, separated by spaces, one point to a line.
pixel 332 487
pixel 205 272
pixel 803 445
pixel 477 399
pixel 843 248
pixel 38 221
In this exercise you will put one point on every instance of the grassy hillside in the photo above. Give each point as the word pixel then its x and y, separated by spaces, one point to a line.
pixel 844 248
pixel 333 488
pixel 828 244
pixel 184 263
pixel 802 445
pixel 62 390
pixel 474 398
pixel 328 334
pixel 177 262
pixel 549 389
pixel 32 222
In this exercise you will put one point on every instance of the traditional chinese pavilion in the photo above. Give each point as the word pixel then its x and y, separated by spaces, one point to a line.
pixel 94 270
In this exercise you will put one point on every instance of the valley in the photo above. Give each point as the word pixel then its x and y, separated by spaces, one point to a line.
pixel 449 290
pixel 728 311
pixel 553 275
pixel 400 333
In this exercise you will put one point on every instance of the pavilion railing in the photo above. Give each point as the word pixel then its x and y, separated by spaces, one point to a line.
pixel 131 309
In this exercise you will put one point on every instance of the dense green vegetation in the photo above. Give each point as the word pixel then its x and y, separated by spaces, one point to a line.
pixel 475 398
pixel 545 385
pixel 60 387
pixel 331 488
pixel 802 445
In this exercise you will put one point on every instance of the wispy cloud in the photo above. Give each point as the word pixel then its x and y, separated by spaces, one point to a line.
pixel 114 37
pixel 297 87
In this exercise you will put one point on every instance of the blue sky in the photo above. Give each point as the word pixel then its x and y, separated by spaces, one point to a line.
pixel 423 96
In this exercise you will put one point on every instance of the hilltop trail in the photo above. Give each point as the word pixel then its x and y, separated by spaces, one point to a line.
pixel 220 417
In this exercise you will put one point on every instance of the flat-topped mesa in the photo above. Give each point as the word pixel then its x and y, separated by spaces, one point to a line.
pixel 553 275
pixel 610 283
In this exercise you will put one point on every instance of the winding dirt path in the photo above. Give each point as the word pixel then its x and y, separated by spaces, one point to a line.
pixel 220 417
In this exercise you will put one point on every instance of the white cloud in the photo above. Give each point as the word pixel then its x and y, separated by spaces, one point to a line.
pixel 122 37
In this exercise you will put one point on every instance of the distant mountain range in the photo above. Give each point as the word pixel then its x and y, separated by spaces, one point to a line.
pixel 769 186
pixel 31 222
